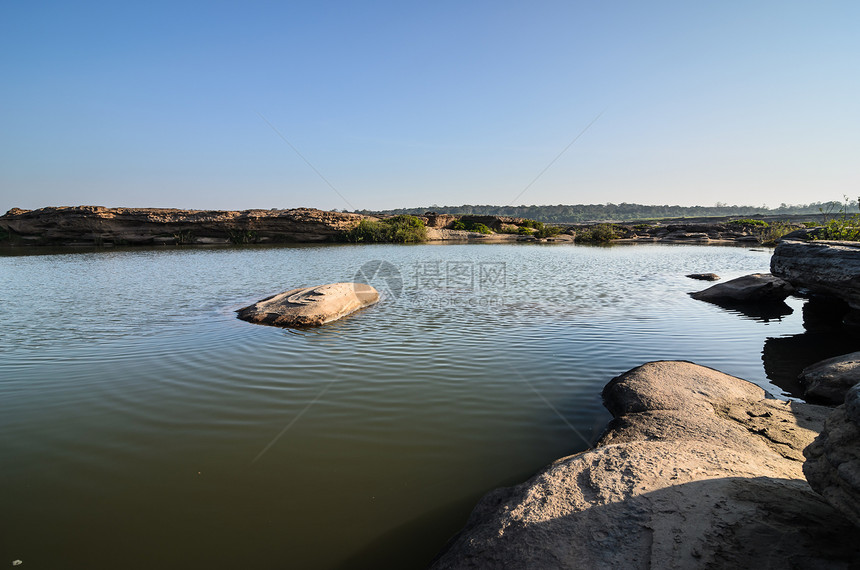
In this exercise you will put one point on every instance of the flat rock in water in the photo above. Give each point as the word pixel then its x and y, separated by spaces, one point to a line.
pixel 829 380
pixel 310 306
pixel 698 469
pixel 833 460
pixel 704 276
pixel 755 288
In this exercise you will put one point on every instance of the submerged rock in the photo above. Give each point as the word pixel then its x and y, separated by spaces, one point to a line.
pixel 833 460
pixel 310 306
pixel 829 380
pixel 698 469
pixel 704 276
pixel 755 288
pixel 830 268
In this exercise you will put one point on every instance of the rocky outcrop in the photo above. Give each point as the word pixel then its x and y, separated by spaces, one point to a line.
pixel 833 460
pixel 96 225
pixel 829 380
pixel 697 470
pixel 829 268
pixel 704 276
pixel 310 306
pixel 755 288
pixel 738 232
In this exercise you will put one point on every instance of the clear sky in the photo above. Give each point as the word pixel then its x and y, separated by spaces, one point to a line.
pixel 407 103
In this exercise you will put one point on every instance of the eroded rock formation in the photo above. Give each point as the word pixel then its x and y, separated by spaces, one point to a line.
pixel 829 268
pixel 828 381
pixel 833 460
pixel 698 469
pixel 310 306
pixel 82 225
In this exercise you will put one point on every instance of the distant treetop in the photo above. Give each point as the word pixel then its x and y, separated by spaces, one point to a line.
pixel 574 213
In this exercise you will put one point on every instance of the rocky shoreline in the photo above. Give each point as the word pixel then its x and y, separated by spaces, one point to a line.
pixel 101 226
pixel 699 469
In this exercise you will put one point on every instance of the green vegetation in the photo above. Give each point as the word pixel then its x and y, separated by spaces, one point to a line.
pixel 574 213
pixel 398 229
pixel 184 237
pixel 239 237
pixel 541 230
pixel 547 231
pixel 846 228
pixel 642 227
pixel 749 222
pixel 770 233
pixel 470 226
pixel 843 227
pixel 599 233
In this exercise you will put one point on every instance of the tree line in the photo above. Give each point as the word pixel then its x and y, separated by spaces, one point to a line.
pixel 574 213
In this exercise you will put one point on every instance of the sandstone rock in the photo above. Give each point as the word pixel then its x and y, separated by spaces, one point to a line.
pixel 755 288
pixel 99 225
pixel 310 306
pixel 830 268
pixel 829 380
pixel 704 276
pixel 833 460
pixel 698 469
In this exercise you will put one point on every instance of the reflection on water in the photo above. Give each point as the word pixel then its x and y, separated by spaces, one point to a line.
pixel 145 426
pixel 825 336
pixel 764 312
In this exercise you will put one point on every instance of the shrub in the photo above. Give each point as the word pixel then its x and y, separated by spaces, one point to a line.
pixel 749 222
pixel 470 227
pixel 398 229
pixel 599 233
pixel 772 232
pixel 842 229
pixel 184 237
pixel 238 237
pixel 547 231
pixel 524 231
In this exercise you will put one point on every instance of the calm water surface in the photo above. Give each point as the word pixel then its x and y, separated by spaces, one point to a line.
pixel 144 426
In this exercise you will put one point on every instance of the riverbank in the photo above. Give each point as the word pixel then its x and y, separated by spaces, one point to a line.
pixel 100 226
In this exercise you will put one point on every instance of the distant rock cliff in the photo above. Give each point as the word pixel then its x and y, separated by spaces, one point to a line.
pixel 96 225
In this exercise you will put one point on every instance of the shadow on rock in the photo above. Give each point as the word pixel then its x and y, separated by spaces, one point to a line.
pixel 731 522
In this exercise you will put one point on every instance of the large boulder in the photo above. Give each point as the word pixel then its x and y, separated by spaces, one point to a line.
pixel 830 268
pixel 755 288
pixel 829 380
pixel 310 306
pixel 833 460
pixel 698 469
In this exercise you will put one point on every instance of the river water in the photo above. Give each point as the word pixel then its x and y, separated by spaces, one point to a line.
pixel 144 426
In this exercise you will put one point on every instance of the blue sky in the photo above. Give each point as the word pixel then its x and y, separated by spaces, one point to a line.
pixel 169 104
